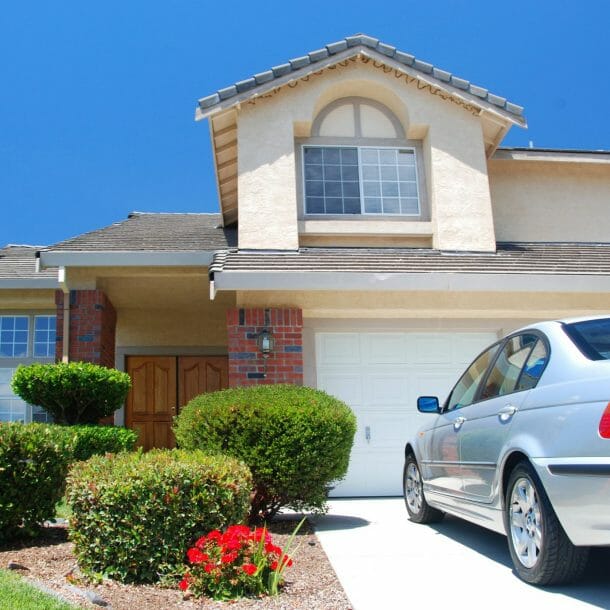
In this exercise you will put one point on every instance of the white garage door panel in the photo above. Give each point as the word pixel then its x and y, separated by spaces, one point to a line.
pixel 380 376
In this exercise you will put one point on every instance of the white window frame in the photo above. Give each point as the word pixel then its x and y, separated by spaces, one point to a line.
pixel 363 213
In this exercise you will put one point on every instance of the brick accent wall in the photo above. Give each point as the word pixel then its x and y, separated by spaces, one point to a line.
pixel 92 327
pixel 246 363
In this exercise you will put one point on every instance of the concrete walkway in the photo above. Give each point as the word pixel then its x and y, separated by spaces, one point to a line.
pixel 386 562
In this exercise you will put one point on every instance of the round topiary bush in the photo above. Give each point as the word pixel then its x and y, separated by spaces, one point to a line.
pixel 72 392
pixel 34 460
pixel 135 514
pixel 296 440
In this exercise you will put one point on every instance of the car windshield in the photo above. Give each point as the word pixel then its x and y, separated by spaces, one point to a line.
pixel 592 337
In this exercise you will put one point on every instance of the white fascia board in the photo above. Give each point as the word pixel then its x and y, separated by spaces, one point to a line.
pixel 468 282
pixel 109 258
pixel 41 283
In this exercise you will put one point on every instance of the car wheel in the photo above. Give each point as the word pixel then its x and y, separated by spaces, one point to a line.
pixel 540 549
pixel 417 507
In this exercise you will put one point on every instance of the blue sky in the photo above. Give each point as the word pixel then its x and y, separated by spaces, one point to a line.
pixel 98 99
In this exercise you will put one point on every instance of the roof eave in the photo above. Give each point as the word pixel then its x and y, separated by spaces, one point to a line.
pixel 116 258
pixel 437 281
pixel 263 88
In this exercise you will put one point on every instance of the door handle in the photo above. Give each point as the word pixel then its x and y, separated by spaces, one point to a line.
pixel 458 422
pixel 367 434
pixel 506 413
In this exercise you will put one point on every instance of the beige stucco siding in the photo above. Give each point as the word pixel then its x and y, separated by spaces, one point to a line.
pixel 550 201
pixel 27 299
pixel 453 146
pixel 433 306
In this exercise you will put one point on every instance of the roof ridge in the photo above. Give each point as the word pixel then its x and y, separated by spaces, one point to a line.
pixel 296 64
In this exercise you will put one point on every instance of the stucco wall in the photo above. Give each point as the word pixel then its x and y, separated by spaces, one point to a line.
pixel 435 307
pixel 452 138
pixel 550 201
pixel 21 300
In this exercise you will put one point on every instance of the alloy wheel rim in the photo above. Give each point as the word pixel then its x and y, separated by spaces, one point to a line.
pixel 526 522
pixel 413 488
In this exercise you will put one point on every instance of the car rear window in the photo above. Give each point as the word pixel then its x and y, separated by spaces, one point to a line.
pixel 592 337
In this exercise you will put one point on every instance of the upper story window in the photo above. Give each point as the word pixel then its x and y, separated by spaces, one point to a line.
pixel 360 180
pixel 16 340
pixel 358 162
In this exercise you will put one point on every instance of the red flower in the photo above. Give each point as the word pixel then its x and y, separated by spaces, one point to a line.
pixel 229 558
pixel 259 533
pixel 200 543
pixel 274 565
pixel 195 556
pixel 214 535
pixel 271 548
pixel 183 584
pixel 209 567
pixel 249 568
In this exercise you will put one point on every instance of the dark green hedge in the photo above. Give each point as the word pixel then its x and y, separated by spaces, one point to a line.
pixel 73 392
pixel 296 440
pixel 134 514
pixel 34 460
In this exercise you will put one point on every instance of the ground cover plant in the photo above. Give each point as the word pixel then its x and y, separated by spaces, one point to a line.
pixel 133 515
pixel 15 593
pixel 295 440
pixel 72 392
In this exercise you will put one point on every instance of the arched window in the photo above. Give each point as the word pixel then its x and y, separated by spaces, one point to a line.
pixel 359 162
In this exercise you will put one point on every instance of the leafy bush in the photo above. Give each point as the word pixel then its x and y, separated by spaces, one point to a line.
pixel 72 392
pixel 86 441
pixel 134 514
pixel 296 440
pixel 34 460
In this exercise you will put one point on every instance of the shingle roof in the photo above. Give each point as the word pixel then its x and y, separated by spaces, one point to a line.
pixel 510 258
pixel 19 263
pixel 358 43
pixel 155 232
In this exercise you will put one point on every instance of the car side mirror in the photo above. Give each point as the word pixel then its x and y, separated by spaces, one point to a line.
pixel 428 404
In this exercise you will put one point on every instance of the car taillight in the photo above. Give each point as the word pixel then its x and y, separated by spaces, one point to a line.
pixel 604 423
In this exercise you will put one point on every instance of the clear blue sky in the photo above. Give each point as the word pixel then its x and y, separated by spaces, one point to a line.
pixel 97 98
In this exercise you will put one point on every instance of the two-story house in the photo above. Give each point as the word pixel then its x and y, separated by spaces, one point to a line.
pixel 372 237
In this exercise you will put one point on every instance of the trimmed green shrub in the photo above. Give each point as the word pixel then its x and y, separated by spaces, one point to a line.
pixel 134 514
pixel 34 460
pixel 86 441
pixel 296 440
pixel 72 392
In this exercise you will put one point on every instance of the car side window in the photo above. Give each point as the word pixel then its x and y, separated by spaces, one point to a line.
pixel 466 388
pixel 505 374
pixel 533 367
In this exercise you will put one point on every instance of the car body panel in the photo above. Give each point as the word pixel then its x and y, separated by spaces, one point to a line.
pixel 554 426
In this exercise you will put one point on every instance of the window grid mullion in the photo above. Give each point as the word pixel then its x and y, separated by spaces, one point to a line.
pixel 360 180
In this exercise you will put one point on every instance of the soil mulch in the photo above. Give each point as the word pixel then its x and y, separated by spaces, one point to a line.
pixel 310 583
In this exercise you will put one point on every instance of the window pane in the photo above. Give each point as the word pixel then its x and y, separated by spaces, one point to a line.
pixel 372 189
pixel 315 205
pixel 369 155
pixel 334 205
pixel 389 189
pixel 349 172
pixel 406 173
pixel 21 323
pixel 387 156
pixel 14 336
pixel 312 155
pixel 503 377
pixel 352 206
pixel 409 206
pixel 406 157
pixel 332 189
pixel 7 323
pixel 12 408
pixel 391 206
pixel 370 172
pixel 315 187
pixel 389 172
pixel 351 189
pixel 372 205
pixel 592 337
pixel 463 393
pixel 331 155
pixel 349 156
pixel 332 172
pixel 314 172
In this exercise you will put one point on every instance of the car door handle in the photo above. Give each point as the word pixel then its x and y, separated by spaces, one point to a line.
pixel 506 413
pixel 458 422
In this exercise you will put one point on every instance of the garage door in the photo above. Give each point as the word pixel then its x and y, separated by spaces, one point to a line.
pixel 380 376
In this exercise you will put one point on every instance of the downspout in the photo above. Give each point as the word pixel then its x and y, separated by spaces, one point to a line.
pixel 63 284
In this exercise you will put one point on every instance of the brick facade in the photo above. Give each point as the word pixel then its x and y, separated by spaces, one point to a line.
pixel 246 363
pixel 92 327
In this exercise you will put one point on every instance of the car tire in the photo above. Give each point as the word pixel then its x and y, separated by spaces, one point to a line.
pixel 413 489
pixel 539 547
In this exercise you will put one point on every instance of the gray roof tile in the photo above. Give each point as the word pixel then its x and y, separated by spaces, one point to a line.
pixel 359 40
pixel 19 262
pixel 155 232
pixel 510 258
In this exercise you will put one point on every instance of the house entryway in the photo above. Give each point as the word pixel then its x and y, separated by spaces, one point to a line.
pixel 161 385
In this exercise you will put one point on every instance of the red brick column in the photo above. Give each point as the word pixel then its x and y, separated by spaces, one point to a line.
pixel 92 327
pixel 246 363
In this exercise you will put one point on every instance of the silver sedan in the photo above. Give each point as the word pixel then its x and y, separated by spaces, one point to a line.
pixel 522 446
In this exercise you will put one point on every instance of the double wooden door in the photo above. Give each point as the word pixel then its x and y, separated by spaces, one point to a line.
pixel 161 385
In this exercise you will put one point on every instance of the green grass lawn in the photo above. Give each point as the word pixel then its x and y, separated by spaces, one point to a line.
pixel 15 593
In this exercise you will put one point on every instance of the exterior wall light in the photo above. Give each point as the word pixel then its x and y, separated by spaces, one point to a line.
pixel 265 342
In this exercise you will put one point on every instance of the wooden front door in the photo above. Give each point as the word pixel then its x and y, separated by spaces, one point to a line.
pixel 163 384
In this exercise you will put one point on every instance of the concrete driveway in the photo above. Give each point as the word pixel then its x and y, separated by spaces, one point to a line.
pixel 386 562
